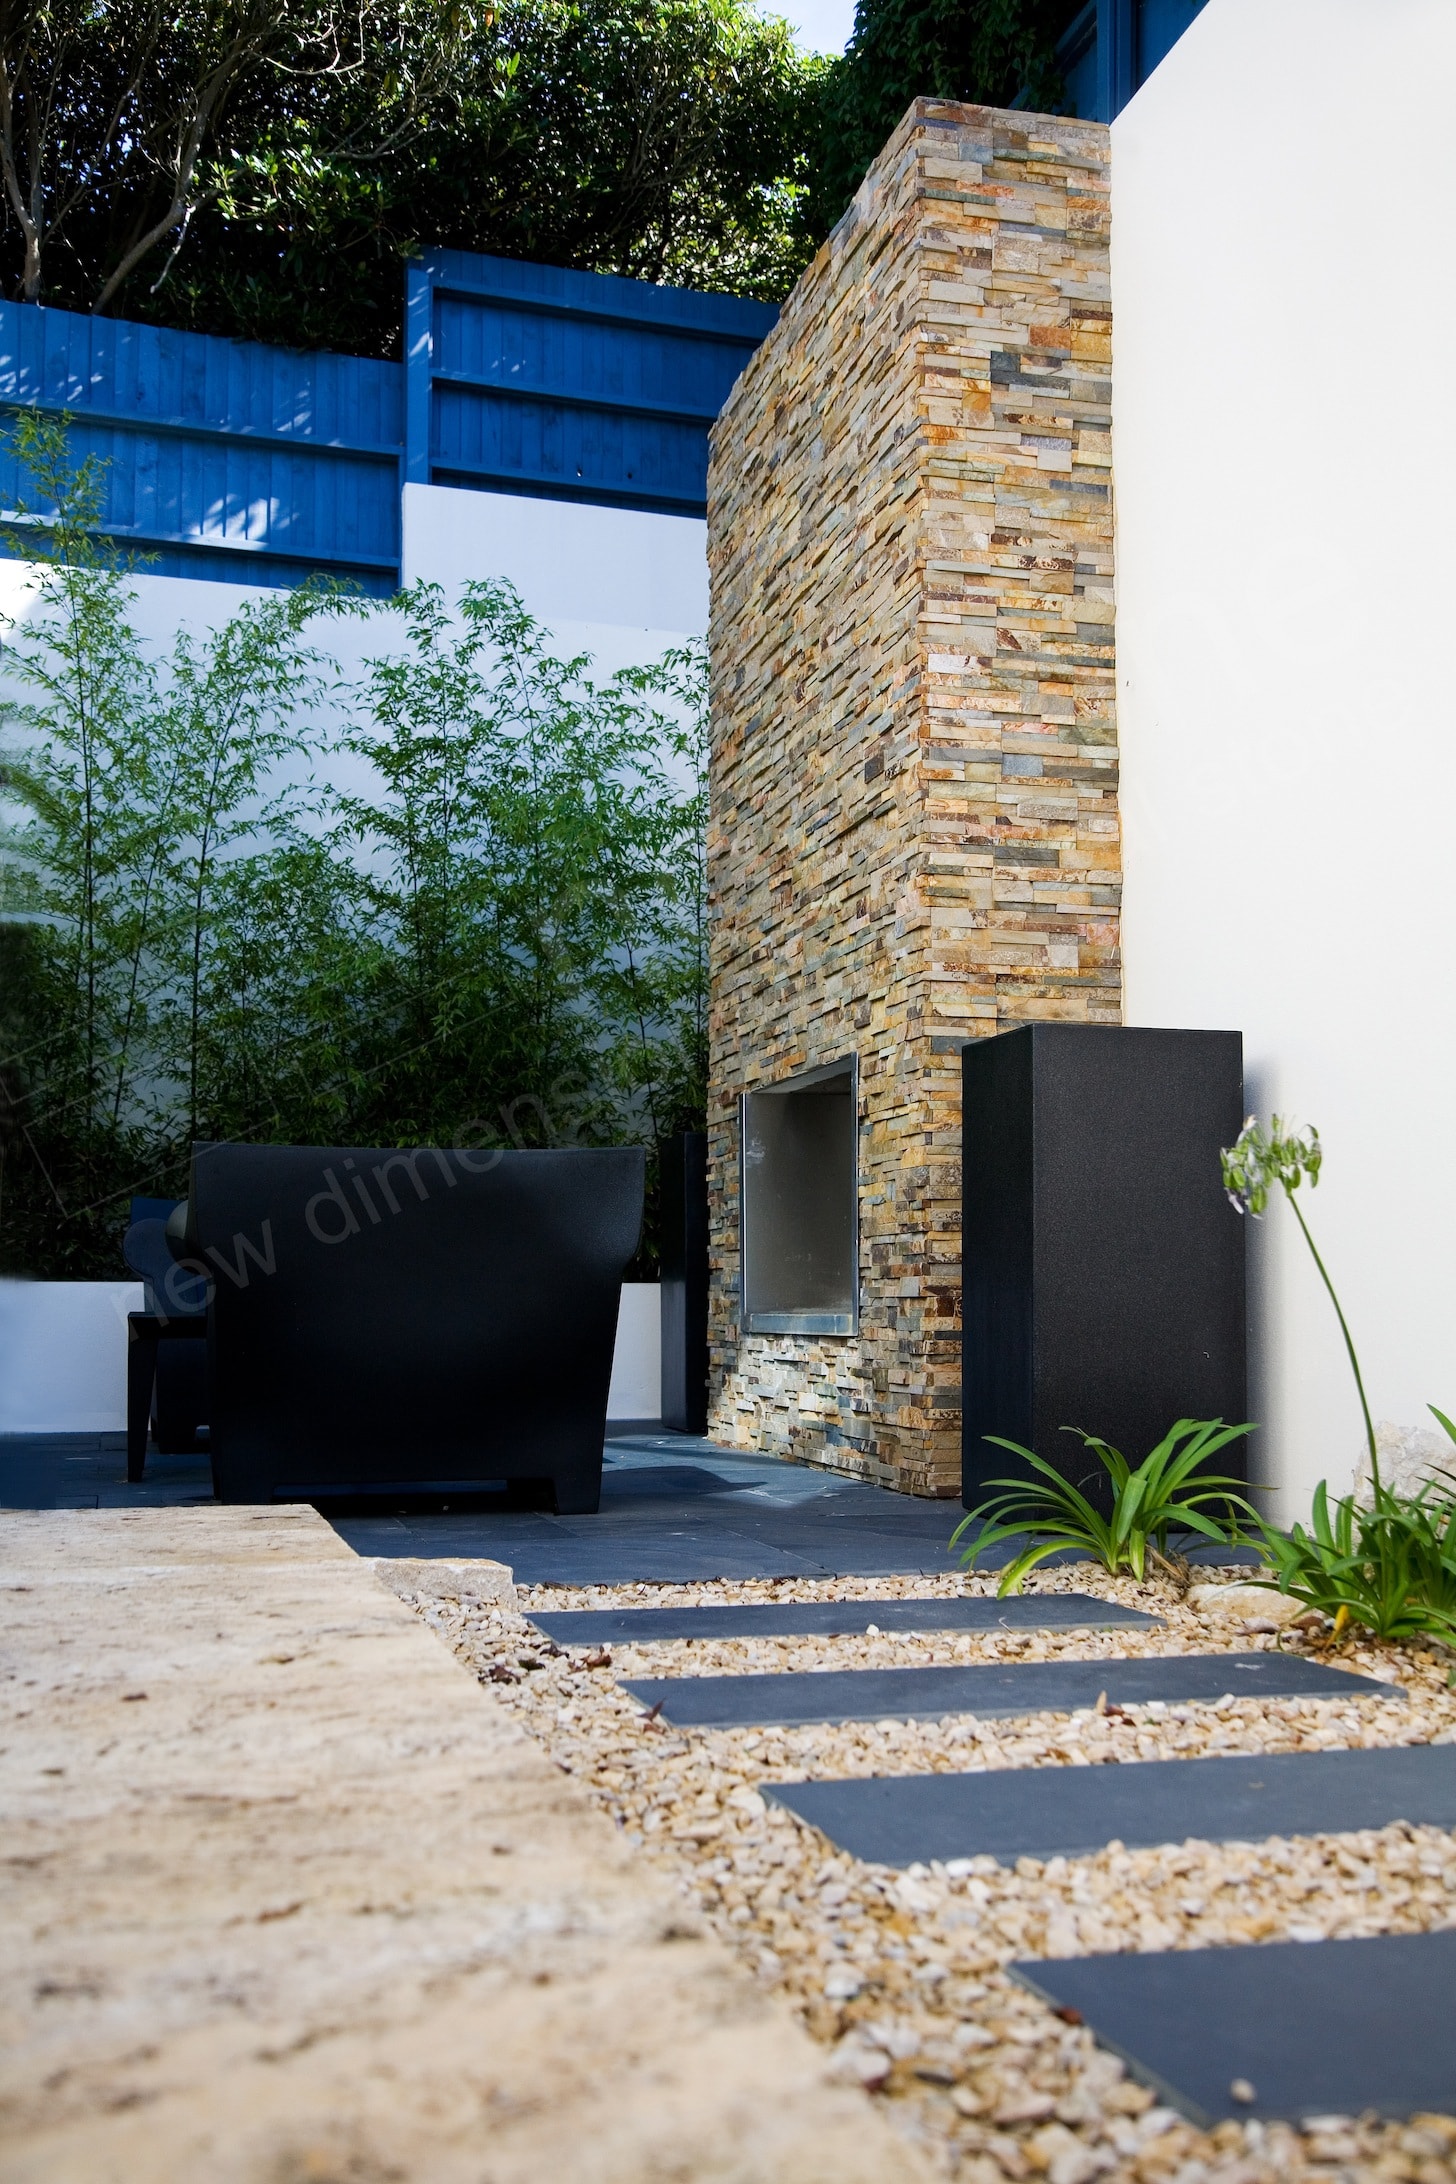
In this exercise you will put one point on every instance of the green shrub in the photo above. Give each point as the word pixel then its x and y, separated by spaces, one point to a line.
pixel 1390 1568
pixel 1167 1492
pixel 496 934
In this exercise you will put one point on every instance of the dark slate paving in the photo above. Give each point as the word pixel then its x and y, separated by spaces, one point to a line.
pixel 1328 2028
pixel 1069 1812
pixel 676 1510
pixel 88 1471
pixel 837 1618
pixel 992 1688
pixel 724 1514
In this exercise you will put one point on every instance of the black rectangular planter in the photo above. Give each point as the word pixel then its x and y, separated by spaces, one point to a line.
pixel 391 1321
pixel 683 1201
pixel 1103 1264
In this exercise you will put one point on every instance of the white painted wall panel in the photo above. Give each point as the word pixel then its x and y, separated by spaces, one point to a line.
pixel 621 586
pixel 63 1355
pixel 575 566
pixel 1284 201
pixel 636 1390
pixel 619 583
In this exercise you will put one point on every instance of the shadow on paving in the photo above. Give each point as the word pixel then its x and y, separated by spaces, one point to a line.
pixel 674 1510
pixel 88 1471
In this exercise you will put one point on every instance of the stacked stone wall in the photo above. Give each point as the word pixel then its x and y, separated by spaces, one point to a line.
pixel 914 835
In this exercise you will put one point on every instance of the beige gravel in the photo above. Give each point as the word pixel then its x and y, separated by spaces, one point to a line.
pixel 902 1974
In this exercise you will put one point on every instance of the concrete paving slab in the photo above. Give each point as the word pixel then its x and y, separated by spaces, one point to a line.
pixel 1069 1812
pixel 290 1896
pixel 1304 2029
pixel 990 1689
pixel 829 1618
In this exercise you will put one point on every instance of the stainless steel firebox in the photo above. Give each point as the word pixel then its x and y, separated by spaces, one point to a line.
pixel 800 1204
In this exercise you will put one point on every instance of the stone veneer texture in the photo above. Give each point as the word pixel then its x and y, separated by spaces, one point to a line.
pixel 914 832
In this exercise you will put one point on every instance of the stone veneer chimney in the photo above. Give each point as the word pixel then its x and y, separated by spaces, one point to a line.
pixel 914 828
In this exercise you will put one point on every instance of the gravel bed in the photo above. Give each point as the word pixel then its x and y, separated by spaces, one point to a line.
pixel 901 1974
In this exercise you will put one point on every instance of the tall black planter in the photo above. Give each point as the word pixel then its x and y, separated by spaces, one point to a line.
pixel 387 1321
pixel 684 1267
pixel 1103 1265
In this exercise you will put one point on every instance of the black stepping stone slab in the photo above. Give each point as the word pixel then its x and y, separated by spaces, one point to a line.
pixel 992 1688
pixel 831 1618
pixel 1328 2028
pixel 1068 1812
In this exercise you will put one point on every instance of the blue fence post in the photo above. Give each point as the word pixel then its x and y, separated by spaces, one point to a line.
pixel 419 313
pixel 1116 56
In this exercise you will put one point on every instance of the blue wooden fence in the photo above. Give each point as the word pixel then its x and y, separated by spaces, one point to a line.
pixel 573 386
pixel 222 458
pixel 1111 47
pixel 230 460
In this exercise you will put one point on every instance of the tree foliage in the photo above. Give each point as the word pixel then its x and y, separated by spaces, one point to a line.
pixel 667 140
pixel 991 52
pixel 262 167
pixel 124 121
pixel 495 935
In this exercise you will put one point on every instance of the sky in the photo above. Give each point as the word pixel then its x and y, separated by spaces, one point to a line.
pixel 821 26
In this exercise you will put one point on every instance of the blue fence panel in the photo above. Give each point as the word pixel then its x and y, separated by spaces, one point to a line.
pixel 1111 47
pixel 1078 57
pixel 1161 23
pixel 255 465
pixel 223 458
pixel 578 386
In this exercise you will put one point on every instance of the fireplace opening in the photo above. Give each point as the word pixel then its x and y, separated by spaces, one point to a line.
pixel 800 1209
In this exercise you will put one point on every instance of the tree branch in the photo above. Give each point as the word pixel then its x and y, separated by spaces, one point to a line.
pixel 248 45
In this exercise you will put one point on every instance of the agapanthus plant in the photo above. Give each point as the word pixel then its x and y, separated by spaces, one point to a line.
pixel 1391 1567
pixel 1282 1157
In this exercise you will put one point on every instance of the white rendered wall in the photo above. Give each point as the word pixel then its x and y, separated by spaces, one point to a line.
pixel 63 1355
pixel 164 605
pixel 636 1389
pixel 620 583
pixel 1284 299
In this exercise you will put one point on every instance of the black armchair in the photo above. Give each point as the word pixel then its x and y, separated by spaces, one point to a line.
pixel 166 1360
pixel 411 1321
